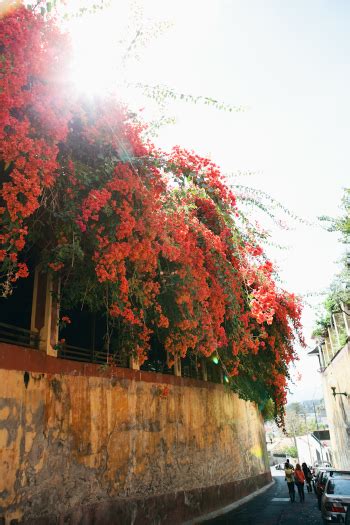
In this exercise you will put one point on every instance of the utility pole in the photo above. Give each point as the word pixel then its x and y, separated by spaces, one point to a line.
pixel 308 438
pixel 315 411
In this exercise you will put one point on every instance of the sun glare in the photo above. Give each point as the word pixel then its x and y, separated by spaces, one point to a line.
pixel 121 46
pixel 109 45
pixel 98 42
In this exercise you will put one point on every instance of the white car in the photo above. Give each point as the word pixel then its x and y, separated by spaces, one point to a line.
pixel 279 466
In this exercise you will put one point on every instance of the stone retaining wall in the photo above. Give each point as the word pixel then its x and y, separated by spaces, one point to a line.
pixel 81 445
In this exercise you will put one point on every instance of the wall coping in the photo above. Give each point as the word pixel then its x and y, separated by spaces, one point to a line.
pixel 16 357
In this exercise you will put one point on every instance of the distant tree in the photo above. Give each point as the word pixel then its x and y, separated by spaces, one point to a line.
pixel 339 290
pixel 291 451
pixel 297 422
pixel 295 408
pixel 342 223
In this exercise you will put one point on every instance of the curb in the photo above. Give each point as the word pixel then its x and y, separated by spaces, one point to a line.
pixel 228 508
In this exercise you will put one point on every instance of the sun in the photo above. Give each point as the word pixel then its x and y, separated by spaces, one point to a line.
pixel 110 45
pixel 98 50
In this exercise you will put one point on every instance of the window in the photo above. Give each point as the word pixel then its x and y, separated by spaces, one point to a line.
pixel 340 487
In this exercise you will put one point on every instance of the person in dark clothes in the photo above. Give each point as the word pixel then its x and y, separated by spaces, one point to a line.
pixel 299 481
pixel 289 464
pixel 289 477
pixel 308 476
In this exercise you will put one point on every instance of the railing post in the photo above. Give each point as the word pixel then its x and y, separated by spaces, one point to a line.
pixel 322 358
pixel 327 350
pixel 177 365
pixel 346 316
pixel 204 370
pixel 134 363
pixel 330 336
pixel 336 329
pixel 45 311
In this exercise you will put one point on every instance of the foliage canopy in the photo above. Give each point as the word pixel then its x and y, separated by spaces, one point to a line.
pixel 149 237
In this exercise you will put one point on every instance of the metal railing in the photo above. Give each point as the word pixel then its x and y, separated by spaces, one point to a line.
pixel 189 365
pixel 189 368
pixel 22 337
pixel 213 372
pixel 156 366
pixel 18 336
pixel 86 355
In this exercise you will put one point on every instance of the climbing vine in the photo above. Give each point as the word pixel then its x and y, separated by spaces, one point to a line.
pixel 150 237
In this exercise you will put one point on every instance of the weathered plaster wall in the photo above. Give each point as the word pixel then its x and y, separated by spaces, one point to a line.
pixel 337 375
pixel 78 445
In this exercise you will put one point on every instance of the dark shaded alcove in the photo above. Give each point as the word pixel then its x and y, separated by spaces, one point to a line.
pixel 16 311
pixel 157 358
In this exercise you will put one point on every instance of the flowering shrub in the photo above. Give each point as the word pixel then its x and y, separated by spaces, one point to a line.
pixel 148 236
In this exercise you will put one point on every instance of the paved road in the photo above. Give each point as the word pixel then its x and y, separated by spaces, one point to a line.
pixel 265 510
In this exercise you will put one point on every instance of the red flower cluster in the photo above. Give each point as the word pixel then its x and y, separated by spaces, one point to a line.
pixel 163 392
pixel 33 120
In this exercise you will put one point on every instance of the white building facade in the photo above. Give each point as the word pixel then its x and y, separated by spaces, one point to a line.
pixel 334 358
pixel 311 450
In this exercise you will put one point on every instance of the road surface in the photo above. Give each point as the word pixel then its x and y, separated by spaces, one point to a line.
pixel 273 507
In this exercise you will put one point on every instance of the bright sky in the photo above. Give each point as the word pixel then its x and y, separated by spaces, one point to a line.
pixel 287 64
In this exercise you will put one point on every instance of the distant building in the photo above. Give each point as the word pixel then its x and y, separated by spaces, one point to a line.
pixel 313 450
pixel 333 352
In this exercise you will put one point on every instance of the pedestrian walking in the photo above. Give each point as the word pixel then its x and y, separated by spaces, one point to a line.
pixel 289 464
pixel 289 477
pixel 299 481
pixel 308 476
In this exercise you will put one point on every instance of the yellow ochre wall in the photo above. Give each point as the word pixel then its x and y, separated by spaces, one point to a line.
pixel 337 374
pixel 83 445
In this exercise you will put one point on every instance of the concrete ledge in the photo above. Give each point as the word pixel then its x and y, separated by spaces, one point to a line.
pixel 14 357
